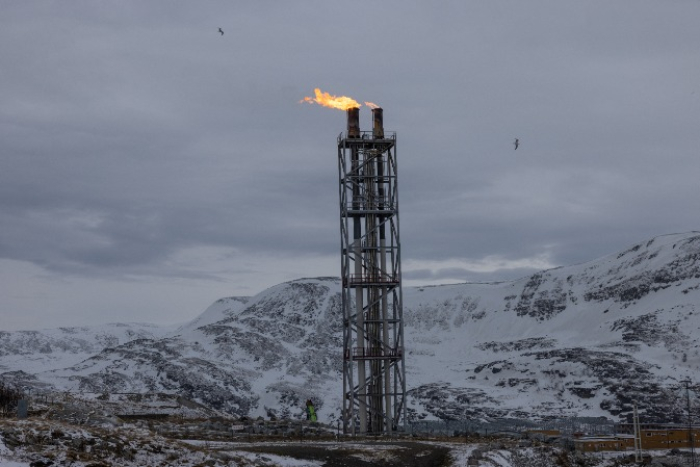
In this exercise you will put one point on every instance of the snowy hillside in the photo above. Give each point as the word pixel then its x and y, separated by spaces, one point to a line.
pixel 585 340
pixel 36 351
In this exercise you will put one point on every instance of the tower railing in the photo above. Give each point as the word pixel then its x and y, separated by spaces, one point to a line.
pixel 369 353
pixel 370 279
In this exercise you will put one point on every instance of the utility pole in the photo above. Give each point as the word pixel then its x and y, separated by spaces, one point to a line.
pixel 637 436
pixel 691 438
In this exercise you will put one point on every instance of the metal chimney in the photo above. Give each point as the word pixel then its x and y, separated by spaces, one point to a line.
pixel 354 122
pixel 378 123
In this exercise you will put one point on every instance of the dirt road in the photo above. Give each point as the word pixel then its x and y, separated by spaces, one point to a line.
pixel 368 454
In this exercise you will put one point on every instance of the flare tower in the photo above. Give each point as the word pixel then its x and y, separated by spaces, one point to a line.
pixel 374 384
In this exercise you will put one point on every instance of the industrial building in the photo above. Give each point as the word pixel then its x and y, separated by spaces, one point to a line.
pixel 651 437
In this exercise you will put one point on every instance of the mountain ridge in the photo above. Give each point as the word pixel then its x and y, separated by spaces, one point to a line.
pixel 591 339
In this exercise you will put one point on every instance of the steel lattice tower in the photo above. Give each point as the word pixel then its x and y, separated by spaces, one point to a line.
pixel 374 386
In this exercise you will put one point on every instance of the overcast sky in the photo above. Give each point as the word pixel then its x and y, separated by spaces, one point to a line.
pixel 151 165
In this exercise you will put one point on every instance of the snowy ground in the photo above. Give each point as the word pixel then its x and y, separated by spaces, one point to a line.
pixel 38 442
pixel 191 453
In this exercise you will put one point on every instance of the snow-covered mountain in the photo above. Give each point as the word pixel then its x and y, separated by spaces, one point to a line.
pixel 586 340
pixel 37 351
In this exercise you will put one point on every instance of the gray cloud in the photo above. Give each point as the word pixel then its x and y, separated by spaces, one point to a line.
pixel 139 146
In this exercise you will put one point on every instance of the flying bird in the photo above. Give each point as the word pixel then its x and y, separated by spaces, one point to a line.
pixel 516 143
pixel 221 31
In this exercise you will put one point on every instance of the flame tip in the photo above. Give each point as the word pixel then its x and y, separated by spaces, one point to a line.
pixel 327 100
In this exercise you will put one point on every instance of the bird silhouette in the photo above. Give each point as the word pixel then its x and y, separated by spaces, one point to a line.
pixel 516 143
pixel 221 31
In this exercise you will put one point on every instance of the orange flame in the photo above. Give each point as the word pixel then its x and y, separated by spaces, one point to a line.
pixel 372 105
pixel 335 102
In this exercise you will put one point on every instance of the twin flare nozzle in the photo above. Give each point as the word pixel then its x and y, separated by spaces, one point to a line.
pixel 352 107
